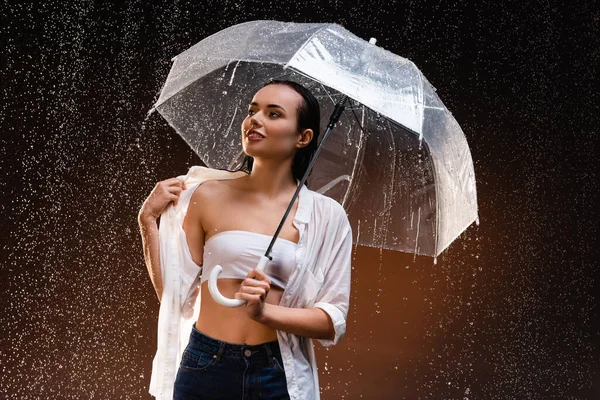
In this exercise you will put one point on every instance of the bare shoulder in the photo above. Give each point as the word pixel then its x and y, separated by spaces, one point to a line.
pixel 209 194
pixel 207 189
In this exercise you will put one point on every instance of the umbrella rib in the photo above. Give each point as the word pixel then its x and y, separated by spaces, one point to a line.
pixel 417 237
pixel 388 206
pixel 233 72
pixel 231 122
pixel 327 92
pixel 358 153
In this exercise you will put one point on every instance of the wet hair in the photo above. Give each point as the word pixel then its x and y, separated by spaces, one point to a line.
pixel 309 117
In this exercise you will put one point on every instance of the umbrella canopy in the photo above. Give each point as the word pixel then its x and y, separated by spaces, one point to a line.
pixel 397 160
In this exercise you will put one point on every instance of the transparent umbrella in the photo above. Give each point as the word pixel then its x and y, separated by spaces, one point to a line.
pixel 397 159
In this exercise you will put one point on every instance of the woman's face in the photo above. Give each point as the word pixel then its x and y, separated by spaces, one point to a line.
pixel 270 127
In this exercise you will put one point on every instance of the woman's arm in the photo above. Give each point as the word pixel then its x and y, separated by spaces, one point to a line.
pixel 151 246
pixel 164 192
pixel 311 322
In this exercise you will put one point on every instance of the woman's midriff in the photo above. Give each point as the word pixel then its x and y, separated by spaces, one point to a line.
pixel 233 325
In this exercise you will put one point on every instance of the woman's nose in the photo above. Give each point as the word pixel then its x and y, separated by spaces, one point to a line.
pixel 254 121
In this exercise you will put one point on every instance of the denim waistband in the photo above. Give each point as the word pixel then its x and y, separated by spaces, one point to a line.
pixel 257 352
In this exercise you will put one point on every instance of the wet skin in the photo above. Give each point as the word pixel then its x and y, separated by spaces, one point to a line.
pixel 218 206
pixel 252 203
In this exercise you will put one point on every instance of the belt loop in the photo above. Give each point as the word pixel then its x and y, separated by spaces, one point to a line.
pixel 220 351
pixel 269 353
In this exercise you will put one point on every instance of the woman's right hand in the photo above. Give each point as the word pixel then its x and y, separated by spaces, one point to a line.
pixel 163 193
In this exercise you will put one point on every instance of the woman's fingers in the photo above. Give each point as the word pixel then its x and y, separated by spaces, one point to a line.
pixel 173 192
pixel 252 283
pixel 175 182
pixel 256 283
pixel 174 198
pixel 172 188
pixel 258 275
pixel 258 291
pixel 250 298
pixel 255 287
pixel 254 290
pixel 164 192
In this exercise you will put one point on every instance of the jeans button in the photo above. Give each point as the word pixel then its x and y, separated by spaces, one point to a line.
pixel 247 352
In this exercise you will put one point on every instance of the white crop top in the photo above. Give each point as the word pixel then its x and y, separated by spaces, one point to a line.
pixel 238 252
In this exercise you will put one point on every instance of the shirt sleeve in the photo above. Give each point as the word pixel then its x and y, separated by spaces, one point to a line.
pixel 334 295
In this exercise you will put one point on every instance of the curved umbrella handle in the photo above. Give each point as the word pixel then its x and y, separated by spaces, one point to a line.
pixel 214 291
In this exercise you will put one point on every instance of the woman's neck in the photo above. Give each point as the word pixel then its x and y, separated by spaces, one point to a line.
pixel 272 177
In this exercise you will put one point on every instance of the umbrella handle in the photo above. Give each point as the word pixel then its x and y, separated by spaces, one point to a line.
pixel 214 290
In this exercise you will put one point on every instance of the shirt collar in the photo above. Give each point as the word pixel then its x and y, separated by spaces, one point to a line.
pixel 305 202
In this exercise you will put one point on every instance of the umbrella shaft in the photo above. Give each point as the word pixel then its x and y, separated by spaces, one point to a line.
pixel 335 116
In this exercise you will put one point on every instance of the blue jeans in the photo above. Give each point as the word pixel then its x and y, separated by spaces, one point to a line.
pixel 213 369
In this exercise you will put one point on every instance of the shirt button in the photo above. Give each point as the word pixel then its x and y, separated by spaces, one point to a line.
pixel 247 352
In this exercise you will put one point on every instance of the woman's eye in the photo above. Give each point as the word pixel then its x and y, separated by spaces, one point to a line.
pixel 272 114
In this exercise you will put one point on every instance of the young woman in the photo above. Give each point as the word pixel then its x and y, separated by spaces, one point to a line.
pixel 263 349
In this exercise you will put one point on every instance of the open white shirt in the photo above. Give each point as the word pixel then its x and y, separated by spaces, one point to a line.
pixel 320 279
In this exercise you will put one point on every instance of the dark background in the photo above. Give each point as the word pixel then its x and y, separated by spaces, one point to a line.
pixel 508 312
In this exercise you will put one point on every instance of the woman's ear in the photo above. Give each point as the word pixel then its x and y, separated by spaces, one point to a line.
pixel 305 138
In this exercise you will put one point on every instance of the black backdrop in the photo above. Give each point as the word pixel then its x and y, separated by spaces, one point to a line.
pixel 508 311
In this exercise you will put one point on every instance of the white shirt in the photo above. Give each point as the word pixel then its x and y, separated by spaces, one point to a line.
pixel 321 279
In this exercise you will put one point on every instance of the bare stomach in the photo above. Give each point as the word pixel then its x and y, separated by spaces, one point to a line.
pixel 233 325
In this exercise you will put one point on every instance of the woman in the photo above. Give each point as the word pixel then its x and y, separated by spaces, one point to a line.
pixel 263 349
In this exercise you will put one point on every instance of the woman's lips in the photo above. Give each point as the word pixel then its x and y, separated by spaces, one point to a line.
pixel 254 136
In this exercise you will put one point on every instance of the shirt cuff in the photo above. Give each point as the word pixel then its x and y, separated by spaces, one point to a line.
pixel 339 323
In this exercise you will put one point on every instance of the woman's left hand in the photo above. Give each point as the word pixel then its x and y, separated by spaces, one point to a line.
pixel 254 290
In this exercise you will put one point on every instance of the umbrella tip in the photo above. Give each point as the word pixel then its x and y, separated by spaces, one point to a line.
pixel 372 40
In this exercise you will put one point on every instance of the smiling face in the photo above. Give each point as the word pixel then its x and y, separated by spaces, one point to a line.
pixel 270 130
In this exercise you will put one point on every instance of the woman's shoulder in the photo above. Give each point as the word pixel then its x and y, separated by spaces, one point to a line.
pixel 208 189
pixel 322 202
